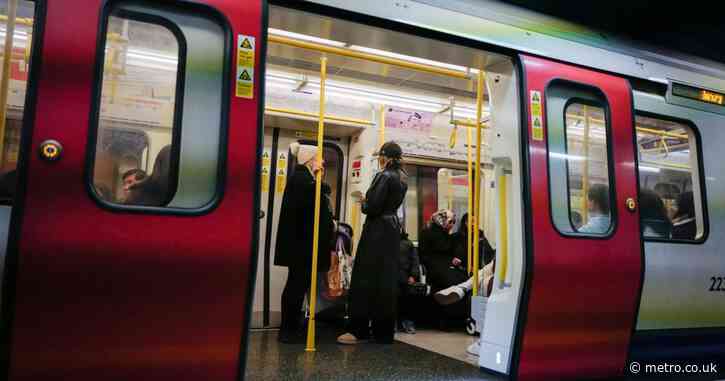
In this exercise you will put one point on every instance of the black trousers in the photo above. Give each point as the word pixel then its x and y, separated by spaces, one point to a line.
pixel 383 331
pixel 298 282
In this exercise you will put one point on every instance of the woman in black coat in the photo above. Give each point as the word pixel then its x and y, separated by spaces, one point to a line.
pixel 437 251
pixel 374 287
pixel 486 253
pixel 294 238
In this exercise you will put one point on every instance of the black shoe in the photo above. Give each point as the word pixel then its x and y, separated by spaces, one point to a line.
pixel 287 337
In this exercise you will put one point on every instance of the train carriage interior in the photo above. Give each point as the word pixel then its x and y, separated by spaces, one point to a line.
pixel 430 113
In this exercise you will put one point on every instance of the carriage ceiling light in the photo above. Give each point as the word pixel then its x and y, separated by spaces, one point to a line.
pixel 373 95
pixel 364 49
pixel 305 37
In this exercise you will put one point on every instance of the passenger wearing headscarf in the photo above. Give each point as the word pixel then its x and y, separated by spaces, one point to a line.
pixel 684 225
pixel 295 237
pixel 374 287
pixel 154 190
pixel 437 251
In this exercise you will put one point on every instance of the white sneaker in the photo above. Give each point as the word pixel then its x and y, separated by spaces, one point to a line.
pixel 450 295
pixel 474 348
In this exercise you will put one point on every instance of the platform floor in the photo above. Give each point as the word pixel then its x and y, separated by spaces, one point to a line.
pixel 269 360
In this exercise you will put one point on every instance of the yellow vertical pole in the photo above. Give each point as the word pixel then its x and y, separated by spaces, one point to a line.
pixel 477 181
pixel 381 126
pixel 469 137
pixel 585 170
pixel 503 225
pixel 310 347
pixel 5 81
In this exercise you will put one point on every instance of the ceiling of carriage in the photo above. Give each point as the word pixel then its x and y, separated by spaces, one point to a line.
pixel 368 39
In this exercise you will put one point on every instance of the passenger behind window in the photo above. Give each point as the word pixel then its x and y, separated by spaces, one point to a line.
pixel 653 215
pixel 684 225
pixel 154 190
pixel 131 178
pixel 408 278
pixel 576 220
pixel 599 213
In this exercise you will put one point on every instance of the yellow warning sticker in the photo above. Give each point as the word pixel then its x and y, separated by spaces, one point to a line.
pixel 265 179
pixel 245 66
pixel 266 162
pixel 281 179
pixel 537 126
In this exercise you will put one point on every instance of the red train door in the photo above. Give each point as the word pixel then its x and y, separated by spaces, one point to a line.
pixel 150 283
pixel 586 264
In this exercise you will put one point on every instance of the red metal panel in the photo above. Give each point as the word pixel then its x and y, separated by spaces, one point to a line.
pixel 121 296
pixel 584 292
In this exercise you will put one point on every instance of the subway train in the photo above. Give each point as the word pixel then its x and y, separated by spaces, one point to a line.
pixel 199 101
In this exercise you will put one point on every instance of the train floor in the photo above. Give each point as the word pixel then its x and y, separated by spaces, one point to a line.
pixel 426 356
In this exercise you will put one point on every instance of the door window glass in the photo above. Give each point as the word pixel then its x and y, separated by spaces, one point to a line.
pixel 579 167
pixel 13 105
pixel 134 161
pixel 671 204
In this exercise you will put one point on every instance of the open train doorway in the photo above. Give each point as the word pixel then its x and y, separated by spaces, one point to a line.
pixel 422 93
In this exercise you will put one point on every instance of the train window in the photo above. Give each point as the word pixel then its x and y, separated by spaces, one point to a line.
pixel 13 101
pixel 431 189
pixel 581 191
pixel 146 154
pixel 671 202
pixel 138 99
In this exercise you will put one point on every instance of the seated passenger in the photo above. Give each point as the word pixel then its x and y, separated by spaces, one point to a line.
pixel 653 215
pixel 460 245
pixel 436 251
pixel 684 225
pixel 598 205
pixel 408 275
pixel 131 178
pixel 154 190
pixel 576 220
pixel 456 292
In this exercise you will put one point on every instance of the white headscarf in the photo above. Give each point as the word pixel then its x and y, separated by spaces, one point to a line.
pixel 303 152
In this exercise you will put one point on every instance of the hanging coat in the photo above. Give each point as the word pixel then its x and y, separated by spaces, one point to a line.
pixel 296 224
pixel 374 289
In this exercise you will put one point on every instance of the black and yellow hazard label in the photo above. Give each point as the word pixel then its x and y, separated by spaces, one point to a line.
pixel 537 128
pixel 245 66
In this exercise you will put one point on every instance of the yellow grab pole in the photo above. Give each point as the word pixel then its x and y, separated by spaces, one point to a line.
pixel 318 193
pixel 381 127
pixel 469 238
pixel 477 181
pixel 5 81
pixel 503 225
pixel 585 170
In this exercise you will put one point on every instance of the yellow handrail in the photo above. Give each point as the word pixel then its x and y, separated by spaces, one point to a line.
pixel 310 347
pixel 5 81
pixel 332 118
pixel 345 52
pixel 477 181
pixel 469 160
pixel 585 172
pixel 503 225
pixel 381 127
pixel 27 21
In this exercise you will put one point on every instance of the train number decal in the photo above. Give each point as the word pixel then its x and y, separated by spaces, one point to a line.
pixel 717 283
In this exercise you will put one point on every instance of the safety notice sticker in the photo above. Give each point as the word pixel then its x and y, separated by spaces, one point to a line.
pixel 245 66
pixel 537 128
